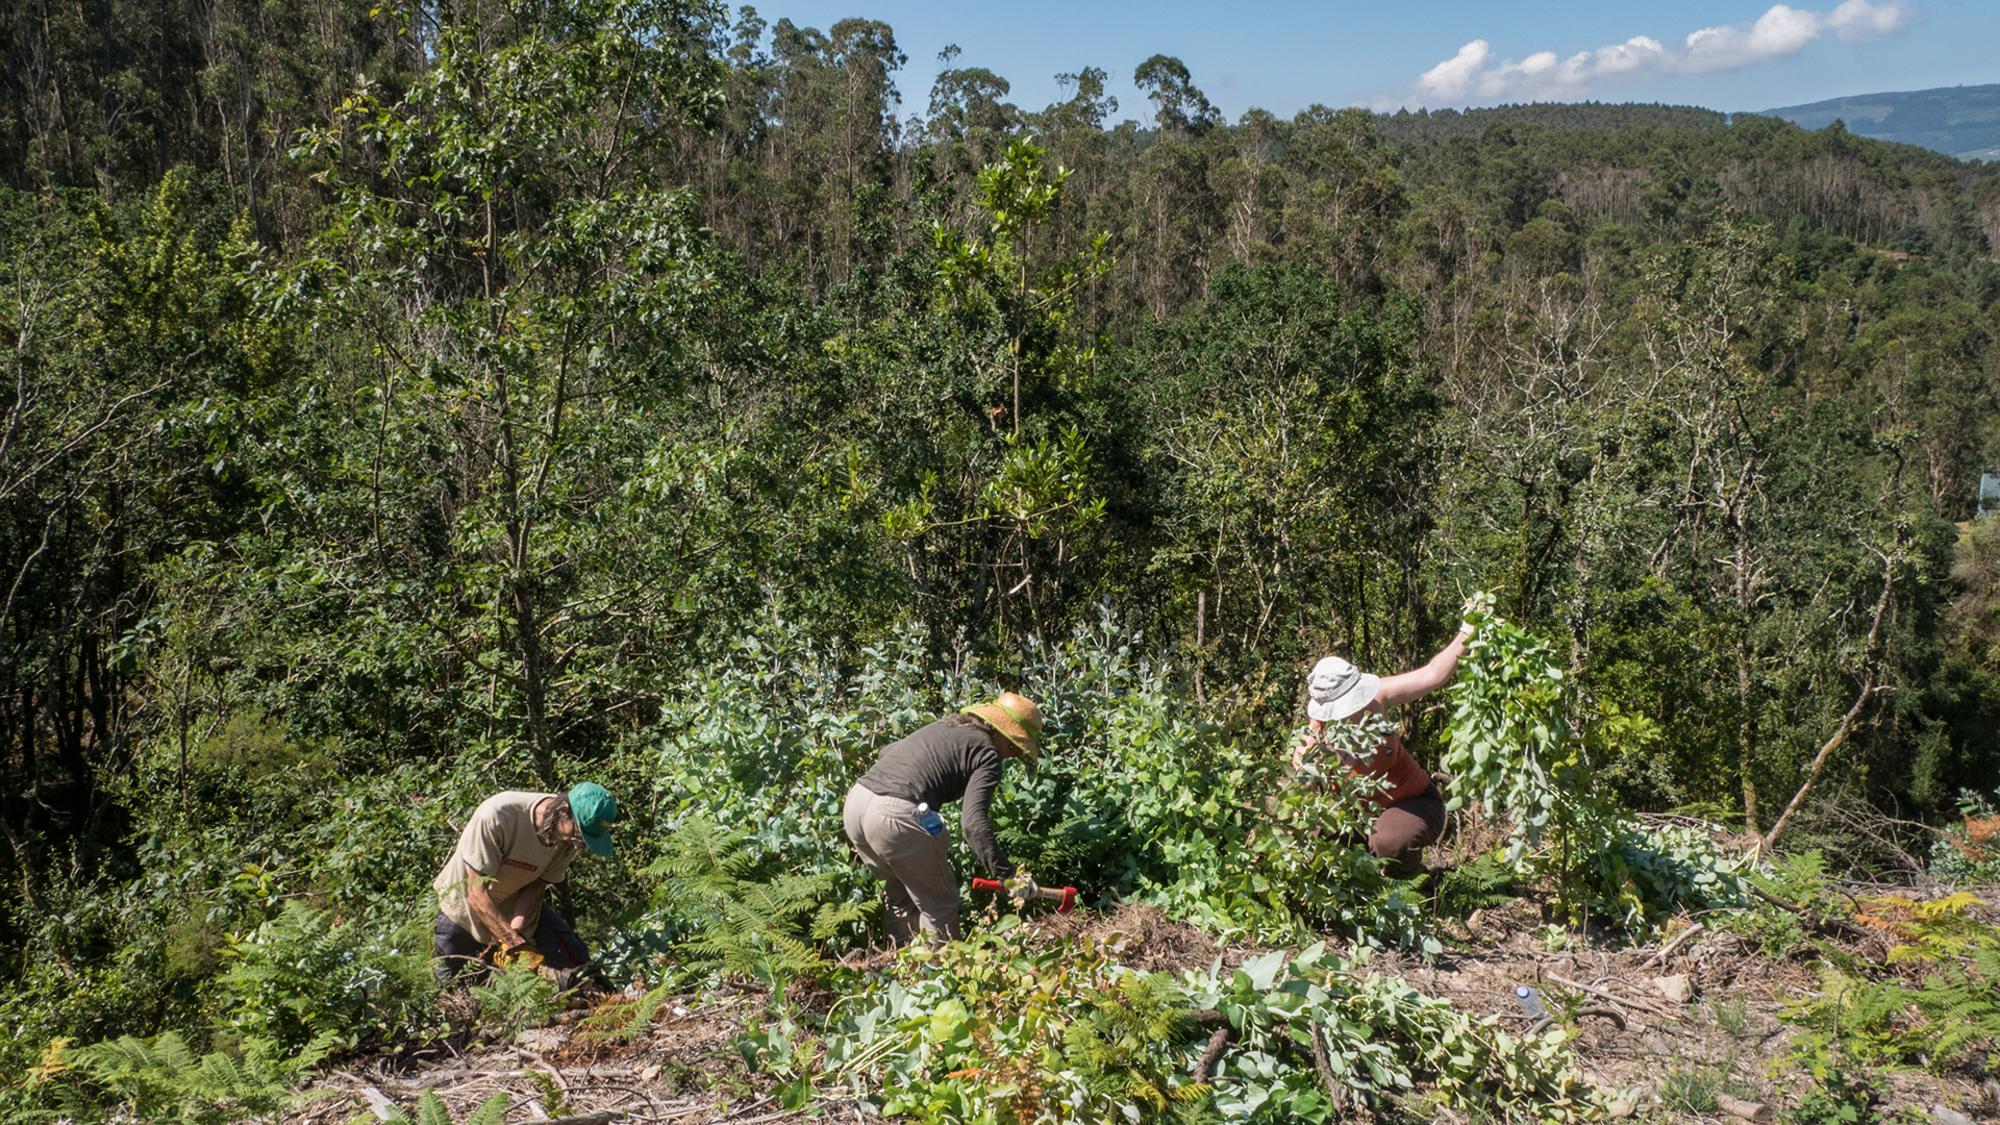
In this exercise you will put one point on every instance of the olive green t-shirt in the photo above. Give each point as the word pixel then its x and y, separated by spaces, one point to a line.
pixel 499 845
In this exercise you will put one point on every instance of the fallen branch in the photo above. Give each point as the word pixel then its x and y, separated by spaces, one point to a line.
pixel 1679 939
pixel 1609 997
pixel 436 1078
pixel 554 1073
pixel 758 1104
pixel 1600 1011
pixel 1823 922
pixel 1846 727
pixel 1217 1043
pixel 1335 1092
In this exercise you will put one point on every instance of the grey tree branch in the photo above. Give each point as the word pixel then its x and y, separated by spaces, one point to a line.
pixel 1841 732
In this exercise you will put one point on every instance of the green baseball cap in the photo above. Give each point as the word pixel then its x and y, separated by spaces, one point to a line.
pixel 594 808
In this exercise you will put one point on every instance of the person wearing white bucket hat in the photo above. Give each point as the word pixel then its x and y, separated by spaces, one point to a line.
pixel 1413 814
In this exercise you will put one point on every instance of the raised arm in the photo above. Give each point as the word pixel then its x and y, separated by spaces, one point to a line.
pixel 1419 682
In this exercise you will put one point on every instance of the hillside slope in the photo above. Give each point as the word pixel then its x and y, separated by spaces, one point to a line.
pixel 1961 121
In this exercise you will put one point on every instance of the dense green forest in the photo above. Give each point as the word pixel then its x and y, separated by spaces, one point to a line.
pixel 407 402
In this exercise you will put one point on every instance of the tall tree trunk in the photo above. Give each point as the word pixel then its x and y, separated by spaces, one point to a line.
pixel 1746 726
pixel 534 681
pixel 518 586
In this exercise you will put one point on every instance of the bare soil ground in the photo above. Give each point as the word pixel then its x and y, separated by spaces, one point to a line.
pixel 1637 1033
pixel 682 1067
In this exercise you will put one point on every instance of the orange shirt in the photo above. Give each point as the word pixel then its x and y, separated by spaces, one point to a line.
pixel 1406 778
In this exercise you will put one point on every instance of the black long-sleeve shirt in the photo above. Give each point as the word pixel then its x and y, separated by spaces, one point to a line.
pixel 946 761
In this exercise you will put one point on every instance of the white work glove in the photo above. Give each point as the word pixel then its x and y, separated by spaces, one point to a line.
pixel 1023 887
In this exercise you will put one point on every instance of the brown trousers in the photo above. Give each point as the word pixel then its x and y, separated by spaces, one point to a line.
pixel 1405 829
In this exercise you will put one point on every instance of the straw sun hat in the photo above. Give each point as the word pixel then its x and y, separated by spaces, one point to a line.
pixel 1016 717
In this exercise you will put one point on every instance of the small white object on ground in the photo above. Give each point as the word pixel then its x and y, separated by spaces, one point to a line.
pixel 379 1104
pixel 1676 988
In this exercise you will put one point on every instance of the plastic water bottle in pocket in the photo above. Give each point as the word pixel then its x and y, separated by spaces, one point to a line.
pixel 929 820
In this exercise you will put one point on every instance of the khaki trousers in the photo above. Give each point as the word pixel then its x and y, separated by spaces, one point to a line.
pixel 914 865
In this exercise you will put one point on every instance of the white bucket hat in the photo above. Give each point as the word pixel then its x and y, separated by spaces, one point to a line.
pixel 1337 689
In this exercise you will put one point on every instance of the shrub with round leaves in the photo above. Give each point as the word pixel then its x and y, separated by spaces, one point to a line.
pixel 1510 743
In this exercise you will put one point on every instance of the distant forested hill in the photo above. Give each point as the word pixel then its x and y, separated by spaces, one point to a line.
pixel 1963 121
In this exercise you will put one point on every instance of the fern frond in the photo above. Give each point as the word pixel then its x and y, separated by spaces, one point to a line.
pixel 623 1022
pixel 492 1112
pixel 431 1110
pixel 836 916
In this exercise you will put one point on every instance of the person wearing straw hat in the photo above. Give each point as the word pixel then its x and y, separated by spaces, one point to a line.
pixel 892 814
pixel 1413 813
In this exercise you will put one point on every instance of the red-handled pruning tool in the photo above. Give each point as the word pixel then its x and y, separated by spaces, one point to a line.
pixel 1063 897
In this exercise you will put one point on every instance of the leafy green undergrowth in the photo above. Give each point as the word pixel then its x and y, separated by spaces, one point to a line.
pixel 1010 1026
pixel 1515 744
pixel 1142 795
pixel 733 866
pixel 164 1079
pixel 1934 1002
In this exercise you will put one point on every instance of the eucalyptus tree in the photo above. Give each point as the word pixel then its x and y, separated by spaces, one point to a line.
pixel 1344 193
pixel 967 126
pixel 1074 131
pixel 824 140
pixel 1176 217
pixel 1179 106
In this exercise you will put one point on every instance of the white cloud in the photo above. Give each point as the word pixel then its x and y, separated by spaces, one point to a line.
pixel 1475 73
pixel 1453 77
pixel 1856 20
pixel 1783 30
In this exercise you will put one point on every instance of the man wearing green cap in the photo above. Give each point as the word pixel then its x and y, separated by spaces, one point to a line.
pixel 512 850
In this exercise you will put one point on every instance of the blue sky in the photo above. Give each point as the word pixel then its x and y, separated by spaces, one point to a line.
pixel 1283 55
